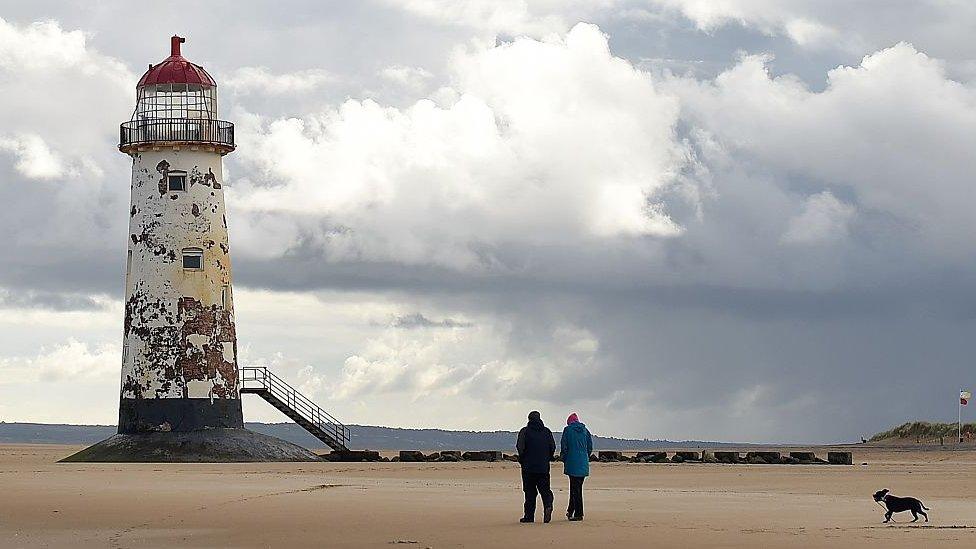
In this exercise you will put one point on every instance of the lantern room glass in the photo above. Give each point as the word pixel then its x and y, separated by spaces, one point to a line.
pixel 176 101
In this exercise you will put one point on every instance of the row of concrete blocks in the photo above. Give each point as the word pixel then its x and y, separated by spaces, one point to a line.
pixel 607 456
pixel 415 456
pixel 453 455
pixel 757 458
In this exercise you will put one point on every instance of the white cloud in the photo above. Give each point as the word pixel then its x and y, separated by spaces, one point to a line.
pixel 40 46
pixel 63 363
pixel 824 219
pixel 810 33
pixel 471 363
pixel 857 27
pixel 493 16
pixel 412 78
pixel 35 160
pixel 800 20
pixel 246 80
pixel 792 18
pixel 894 133
pixel 548 141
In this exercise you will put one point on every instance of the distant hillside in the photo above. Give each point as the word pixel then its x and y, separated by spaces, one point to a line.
pixel 43 433
pixel 363 436
pixel 925 431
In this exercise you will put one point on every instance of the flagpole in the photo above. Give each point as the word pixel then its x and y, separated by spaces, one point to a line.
pixel 959 424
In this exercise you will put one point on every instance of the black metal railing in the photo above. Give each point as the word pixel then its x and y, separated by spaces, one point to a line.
pixel 191 130
pixel 257 379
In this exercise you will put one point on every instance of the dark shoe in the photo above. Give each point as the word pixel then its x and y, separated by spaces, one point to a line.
pixel 526 519
pixel 575 519
pixel 569 515
pixel 547 515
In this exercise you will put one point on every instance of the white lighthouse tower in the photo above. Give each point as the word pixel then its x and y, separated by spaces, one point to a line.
pixel 179 392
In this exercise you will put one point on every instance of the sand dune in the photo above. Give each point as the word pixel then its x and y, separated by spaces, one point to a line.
pixel 440 505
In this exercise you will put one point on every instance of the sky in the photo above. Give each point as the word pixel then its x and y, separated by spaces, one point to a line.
pixel 746 220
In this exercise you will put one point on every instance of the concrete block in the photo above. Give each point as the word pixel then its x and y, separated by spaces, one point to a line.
pixel 803 456
pixel 651 457
pixel 353 455
pixel 766 457
pixel 610 455
pixel 484 455
pixel 689 456
pixel 840 458
pixel 412 456
pixel 727 457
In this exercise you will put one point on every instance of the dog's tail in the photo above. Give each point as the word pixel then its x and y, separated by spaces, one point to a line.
pixel 923 506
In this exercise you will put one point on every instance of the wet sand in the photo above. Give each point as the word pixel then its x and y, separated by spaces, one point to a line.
pixel 43 503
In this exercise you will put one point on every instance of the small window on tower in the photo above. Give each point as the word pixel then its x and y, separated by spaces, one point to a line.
pixel 224 297
pixel 193 259
pixel 177 181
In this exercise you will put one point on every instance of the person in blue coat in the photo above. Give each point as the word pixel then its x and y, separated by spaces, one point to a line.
pixel 575 447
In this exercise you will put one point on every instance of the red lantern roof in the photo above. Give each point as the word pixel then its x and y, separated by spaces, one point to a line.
pixel 175 69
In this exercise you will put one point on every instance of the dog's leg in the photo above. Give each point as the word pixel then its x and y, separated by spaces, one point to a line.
pixel 924 514
pixel 914 514
pixel 888 517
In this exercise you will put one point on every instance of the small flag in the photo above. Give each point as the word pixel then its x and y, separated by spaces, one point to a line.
pixel 964 397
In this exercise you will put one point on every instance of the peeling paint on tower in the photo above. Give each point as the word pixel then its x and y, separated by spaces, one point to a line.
pixel 178 321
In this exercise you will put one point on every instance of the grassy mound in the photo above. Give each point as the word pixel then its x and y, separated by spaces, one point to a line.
pixel 923 430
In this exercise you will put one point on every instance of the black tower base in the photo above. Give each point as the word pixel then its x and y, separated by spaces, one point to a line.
pixel 203 446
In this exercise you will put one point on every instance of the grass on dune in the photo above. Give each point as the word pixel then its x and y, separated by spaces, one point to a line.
pixel 922 430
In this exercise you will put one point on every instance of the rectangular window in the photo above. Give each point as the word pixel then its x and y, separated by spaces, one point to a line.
pixel 177 182
pixel 224 297
pixel 193 259
pixel 128 263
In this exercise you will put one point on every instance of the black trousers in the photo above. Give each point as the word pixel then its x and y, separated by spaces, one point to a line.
pixel 532 484
pixel 575 497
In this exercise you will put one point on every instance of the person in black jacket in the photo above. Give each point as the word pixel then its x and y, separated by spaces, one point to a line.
pixel 536 448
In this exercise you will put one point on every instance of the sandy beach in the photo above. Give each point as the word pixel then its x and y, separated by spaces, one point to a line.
pixel 439 505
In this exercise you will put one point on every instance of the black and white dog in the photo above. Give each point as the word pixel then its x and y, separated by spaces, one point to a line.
pixel 895 504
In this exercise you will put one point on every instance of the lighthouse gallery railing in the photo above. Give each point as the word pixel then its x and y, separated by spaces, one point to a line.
pixel 258 380
pixel 191 130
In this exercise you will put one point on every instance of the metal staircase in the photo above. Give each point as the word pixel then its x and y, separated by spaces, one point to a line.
pixel 301 410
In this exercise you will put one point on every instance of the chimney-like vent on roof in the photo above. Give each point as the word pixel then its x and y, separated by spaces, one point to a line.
pixel 174 45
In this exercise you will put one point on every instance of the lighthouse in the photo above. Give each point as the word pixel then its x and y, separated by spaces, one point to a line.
pixel 179 367
pixel 179 395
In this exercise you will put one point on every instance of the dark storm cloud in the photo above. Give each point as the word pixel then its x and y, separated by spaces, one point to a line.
pixel 418 320
pixel 47 300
